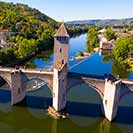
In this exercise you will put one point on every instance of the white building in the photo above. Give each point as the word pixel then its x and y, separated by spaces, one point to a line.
pixel 105 44
pixel 2 40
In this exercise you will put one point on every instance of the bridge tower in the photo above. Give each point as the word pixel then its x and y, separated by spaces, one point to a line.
pixel 61 52
pixel 111 97
pixel 18 91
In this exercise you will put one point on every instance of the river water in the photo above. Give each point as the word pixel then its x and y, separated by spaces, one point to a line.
pixel 84 104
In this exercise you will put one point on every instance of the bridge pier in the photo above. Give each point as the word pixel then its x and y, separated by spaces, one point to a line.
pixel 111 98
pixel 59 89
pixel 18 92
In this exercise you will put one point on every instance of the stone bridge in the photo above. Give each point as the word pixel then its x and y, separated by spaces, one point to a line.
pixel 60 81
pixel 107 87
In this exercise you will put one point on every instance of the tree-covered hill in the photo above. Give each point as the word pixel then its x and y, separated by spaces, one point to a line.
pixel 27 21
pixel 32 31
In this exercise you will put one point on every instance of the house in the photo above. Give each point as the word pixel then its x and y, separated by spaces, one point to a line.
pixel 5 32
pixel 2 40
pixel 102 38
pixel 7 45
pixel 102 31
pixel 105 44
pixel 120 29
pixel 119 35
pixel 108 45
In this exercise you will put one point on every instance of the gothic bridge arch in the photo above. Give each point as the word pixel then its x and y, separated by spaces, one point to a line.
pixel 18 79
pixel 97 83
pixel 6 76
pixel 46 78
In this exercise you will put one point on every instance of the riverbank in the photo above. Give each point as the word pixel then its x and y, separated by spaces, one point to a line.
pixel 55 114
pixel 84 56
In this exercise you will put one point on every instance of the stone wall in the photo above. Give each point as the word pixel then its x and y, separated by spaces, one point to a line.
pixel 60 53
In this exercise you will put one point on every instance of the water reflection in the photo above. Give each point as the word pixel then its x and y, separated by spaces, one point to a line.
pixel 96 126
pixel 5 128
pixel 121 70
pixel 31 114
pixel 104 52
pixel 26 130
pixel 117 68
pixel 107 127
pixel 43 60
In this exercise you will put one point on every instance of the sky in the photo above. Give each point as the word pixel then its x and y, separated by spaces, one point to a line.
pixel 68 10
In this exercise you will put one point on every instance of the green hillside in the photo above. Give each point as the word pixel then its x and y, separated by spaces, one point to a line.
pixel 32 31
pixel 28 22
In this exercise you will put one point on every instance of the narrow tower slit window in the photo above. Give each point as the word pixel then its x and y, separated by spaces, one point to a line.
pixel 62 61
pixel 60 50
pixel 19 91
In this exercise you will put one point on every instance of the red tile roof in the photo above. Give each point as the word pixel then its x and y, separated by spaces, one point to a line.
pixel 4 30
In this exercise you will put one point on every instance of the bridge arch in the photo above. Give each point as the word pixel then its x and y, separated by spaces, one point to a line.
pixel 124 91
pixel 125 109
pixel 80 82
pixel 39 94
pixel 6 78
pixel 127 98
pixel 33 84
pixel 5 93
pixel 86 99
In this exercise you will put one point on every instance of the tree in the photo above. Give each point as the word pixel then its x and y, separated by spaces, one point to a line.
pixel 26 48
pixel 92 37
pixel 121 50
pixel 80 53
pixel 109 33
pixel 46 40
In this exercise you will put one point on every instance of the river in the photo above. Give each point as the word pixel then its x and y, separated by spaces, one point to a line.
pixel 84 104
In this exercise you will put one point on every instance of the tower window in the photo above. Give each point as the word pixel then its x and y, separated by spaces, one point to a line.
pixel 18 90
pixel 105 102
pixel 62 61
pixel 62 39
pixel 60 50
pixel 58 38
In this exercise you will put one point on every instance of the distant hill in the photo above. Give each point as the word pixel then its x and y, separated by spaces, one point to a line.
pixel 27 21
pixel 101 22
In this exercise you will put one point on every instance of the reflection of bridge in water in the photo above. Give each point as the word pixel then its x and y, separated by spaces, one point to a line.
pixel 39 118
pixel 59 80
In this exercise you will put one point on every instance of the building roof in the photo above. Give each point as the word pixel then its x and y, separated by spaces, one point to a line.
pixel 4 30
pixel 124 35
pixel 102 30
pixel 102 38
pixel 2 38
pixel 10 44
pixel 62 31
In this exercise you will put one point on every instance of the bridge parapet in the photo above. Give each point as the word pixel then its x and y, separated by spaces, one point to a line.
pixel 41 71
